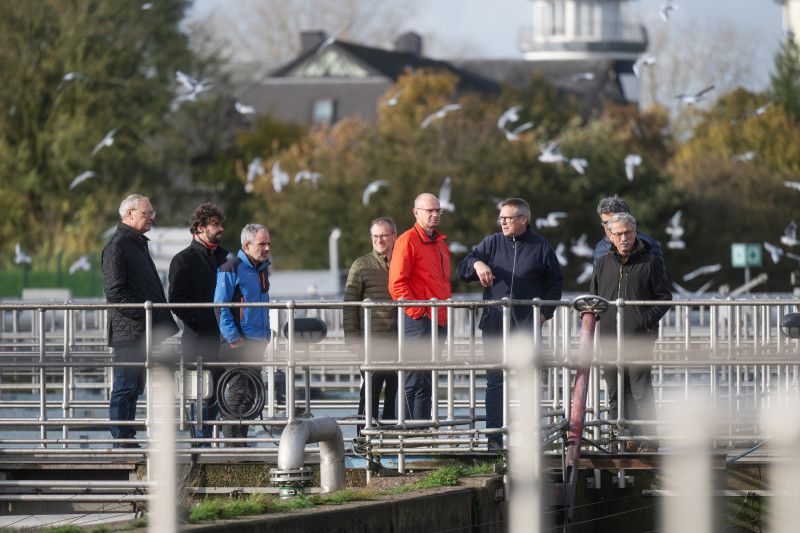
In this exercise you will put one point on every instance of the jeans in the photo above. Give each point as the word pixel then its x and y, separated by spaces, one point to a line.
pixel 389 396
pixel 128 385
pixel 418 382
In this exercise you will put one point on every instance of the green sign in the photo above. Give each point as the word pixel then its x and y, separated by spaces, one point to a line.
pixel 745 255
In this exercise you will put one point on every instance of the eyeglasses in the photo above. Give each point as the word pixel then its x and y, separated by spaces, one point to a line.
pixel 147 214
pixel 431 211
pixel 381 237
pixel 622 233
pixel 500 220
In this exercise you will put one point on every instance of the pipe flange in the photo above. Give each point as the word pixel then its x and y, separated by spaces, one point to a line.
pixel 291 476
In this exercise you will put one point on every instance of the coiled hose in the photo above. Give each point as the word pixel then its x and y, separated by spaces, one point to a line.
pixel 254 382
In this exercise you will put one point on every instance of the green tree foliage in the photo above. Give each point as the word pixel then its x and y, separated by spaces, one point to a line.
pixel 785 81
pixel 125 58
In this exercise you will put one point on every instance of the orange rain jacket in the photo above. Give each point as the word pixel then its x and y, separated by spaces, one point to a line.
pixel 420 270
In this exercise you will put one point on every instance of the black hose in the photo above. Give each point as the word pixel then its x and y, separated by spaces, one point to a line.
pixel 254 383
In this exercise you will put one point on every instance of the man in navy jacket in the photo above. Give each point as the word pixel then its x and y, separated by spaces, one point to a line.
pixel 518 264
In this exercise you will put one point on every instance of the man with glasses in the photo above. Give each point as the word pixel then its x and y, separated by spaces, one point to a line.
pixel 609 207
pixel 420 270
pixel 369 278
pixel 518 264
pixel 130 276
pixel 630 271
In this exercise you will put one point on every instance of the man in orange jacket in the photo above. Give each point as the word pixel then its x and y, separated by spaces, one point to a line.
pixel 420 270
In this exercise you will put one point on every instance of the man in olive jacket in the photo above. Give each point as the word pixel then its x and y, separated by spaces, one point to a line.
pixel 631 271
pixel 130 276
pixel 369 278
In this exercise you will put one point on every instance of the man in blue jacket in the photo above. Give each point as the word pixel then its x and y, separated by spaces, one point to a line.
pixel 518 264
pixel 244 331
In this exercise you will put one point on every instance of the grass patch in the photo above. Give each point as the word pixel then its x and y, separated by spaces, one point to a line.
pixel 136 524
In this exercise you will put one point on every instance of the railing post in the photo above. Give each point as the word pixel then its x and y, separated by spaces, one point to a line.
pixel 42 378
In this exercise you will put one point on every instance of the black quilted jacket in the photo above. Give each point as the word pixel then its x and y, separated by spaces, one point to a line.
pixel 129 276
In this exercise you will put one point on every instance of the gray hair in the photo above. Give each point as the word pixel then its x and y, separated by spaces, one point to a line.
pixel 250 231
pixel 625 218
pixel 519 204
pixel 131 202
pixel 612 204
pixel 384 220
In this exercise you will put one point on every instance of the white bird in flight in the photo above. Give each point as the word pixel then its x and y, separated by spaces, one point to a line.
pixel 675 230
pixel 69 76
pixel 579 164
pixel 551 220
pixel 631 162
pixel 192 86
pixel 20 256
pixel 81 264
pixel 747 156
pixel 644 60
pixel 457 248
pixel 313 177
pixel 792 184
pixel 560 255
pixel 580 247
pixel 586 273
pixel 392 100
pixel 755 113
pixel 80 178
pixel 582 76
pixel 108 140
pixel 696 98
pixel 774 251
pixel 789 237
pixel 372 188
pixel 513 135
pixel 693 294
pixel 512 115
pixel 664 9
pixel 551 153
pixel 439 114
pixel 244 109
pixel 445 192
pixel 279 178
pixel 253 169
pixel 325 44
pixel 708 269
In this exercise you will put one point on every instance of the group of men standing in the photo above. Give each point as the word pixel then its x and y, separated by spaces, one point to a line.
pixel 514 263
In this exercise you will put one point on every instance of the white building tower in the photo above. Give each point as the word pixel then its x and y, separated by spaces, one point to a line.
pixel 582 30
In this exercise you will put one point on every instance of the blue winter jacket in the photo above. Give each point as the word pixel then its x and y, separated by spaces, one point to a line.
pixel 525 267
pixel 238 281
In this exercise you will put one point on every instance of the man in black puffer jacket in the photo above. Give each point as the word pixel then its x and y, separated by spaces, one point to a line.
pixel 631 271
pixel 129 276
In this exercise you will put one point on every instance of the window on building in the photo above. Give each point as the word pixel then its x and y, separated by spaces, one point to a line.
pixel 324 110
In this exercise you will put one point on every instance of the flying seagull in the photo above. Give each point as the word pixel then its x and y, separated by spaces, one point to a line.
pixel 582 76
pixel 551 220
pixel 755 113
pixel 586 273
pixel 696 98
pixel 445 192
pixel 789 237
pixel 747 156
pixel 372 188
pixel 664 9
pixel 20 256
pixel 81 264
pixel 708 269
pixel 631 162
pixel 192 86
pixel 696 294
pixel 792 184
pixel 774 251
pixel 579 164
pixel 69 76
pixel 457 248
pixel 80 178
pixel 644 60
pixel 513 135
pixel 439 114
pixel 675 230
pixel 509 115
pixel 279 178
pixel 244 109
pixel 392 100
pixel 313 177
pixel 580 247
pixel 253 169
pixel 325 44
pixel 551 153
pixel 560 255
pixel 108 140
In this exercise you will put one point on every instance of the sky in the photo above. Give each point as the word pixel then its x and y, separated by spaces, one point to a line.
pixel 491 28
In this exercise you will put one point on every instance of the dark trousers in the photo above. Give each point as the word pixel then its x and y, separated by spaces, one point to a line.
pixel 379 379
pixel 640 400
pixel 493 350
pixel 128 385
pixel 418 382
